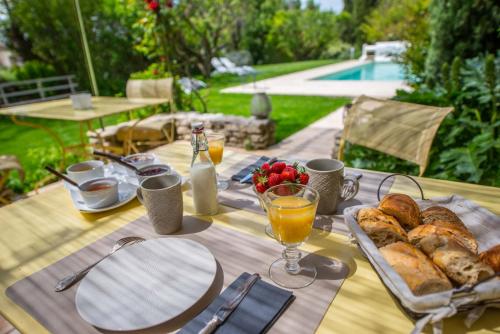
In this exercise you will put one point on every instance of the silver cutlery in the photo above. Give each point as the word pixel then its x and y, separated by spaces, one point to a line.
pixel 69 280
pixel 230 305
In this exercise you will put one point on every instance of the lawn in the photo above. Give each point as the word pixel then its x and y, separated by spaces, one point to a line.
pixel 34 148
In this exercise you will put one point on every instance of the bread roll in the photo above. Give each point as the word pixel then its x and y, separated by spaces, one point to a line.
pixel 458 263
pixel 492 257
pixel 421 275
pixel 441 214
pixel 403 207
pixel 381 228
pixel 464 237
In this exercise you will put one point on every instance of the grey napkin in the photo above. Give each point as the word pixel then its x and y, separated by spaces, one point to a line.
pixel 249 169
pixel 256 313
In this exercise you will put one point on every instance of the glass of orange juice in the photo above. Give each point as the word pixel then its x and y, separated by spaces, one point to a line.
pixel 216 151
pixel 291 209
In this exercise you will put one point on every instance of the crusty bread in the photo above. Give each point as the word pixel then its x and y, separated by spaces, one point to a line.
pixel 421 275
pixel 459 264
pixel 492 257
pixel 464 237
pixel 381 228
pixel 403 207
pixel 439 213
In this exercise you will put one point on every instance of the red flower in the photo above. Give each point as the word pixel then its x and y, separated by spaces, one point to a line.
pixel 147 1
pixel 155 71
pixel 169 3
pixel 154 5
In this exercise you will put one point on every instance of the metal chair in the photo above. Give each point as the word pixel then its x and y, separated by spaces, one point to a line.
pixel 138 135
pixel 403 130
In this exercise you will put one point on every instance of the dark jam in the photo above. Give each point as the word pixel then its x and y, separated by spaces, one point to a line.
pixel 152 171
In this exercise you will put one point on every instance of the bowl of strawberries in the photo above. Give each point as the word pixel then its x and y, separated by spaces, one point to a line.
pixel 272 174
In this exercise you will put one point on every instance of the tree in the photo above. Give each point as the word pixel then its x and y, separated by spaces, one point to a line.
pixel 406 20
pixel 352 17
pixel 188 34
pixel 463 28
pixel 51 28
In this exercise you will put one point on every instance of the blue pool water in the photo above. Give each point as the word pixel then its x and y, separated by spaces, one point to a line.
pixel 371 71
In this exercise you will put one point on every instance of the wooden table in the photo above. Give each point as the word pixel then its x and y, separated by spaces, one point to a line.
pixel 63 110
pixel 42 229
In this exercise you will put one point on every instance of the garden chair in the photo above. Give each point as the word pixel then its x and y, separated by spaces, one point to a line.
pixel 224 65
pixel 141 134
pixel 8 164
pixel 403 130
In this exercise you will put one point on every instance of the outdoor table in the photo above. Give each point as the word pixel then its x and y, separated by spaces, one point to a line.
pixel 44 228
pixel 63 110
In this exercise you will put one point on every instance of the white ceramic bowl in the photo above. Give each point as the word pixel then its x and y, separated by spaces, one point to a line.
pixel 100 192
pixel 85 171
pixel 161 169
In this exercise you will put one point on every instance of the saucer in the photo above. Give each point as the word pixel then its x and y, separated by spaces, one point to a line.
pixel 126 193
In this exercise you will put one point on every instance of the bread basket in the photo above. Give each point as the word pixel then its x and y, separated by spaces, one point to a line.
pixel 432 308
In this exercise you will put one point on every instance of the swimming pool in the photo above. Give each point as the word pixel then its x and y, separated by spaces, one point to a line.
pixel 374 71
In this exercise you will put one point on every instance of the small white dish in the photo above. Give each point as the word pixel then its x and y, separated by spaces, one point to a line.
pixel 155 170
pixel 126 193
pixel 86 170
pixel 146 284
pixel 99 193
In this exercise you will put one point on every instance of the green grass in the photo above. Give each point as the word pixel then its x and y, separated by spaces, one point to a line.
pixel 291 113
pixel 34 147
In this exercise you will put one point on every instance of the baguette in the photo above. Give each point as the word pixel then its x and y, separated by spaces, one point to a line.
pixel 465 238
pixel 441 214
pixel 381 228
pixel 492 257
pixel 458 263
pixel 403 208
pixel 421 275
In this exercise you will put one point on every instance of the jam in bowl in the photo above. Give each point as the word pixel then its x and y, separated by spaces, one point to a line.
pixel 152 170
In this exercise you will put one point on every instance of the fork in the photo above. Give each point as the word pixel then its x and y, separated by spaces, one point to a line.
pixel 69 280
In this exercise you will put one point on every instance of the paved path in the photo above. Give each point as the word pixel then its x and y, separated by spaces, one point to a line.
pixel 303 83
pixel 314 141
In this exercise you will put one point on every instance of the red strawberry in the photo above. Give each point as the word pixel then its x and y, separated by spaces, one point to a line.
pixel 255 177
pixel 278 167
pixel 265 167
pixel 274 179
pixel 303 178
pixel 260 187
pixel 289 174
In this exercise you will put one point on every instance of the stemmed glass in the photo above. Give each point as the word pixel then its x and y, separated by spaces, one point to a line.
pixel 216 150
pixel 291 209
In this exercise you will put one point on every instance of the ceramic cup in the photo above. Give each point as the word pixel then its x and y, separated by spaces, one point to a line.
pixel 326 176
pixel 100 192
pixel 162 197
pixel 152 170
pixel 85 171
pixel 81 101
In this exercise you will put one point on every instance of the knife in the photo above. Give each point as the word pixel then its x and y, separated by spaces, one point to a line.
pixel 249 175
pixel 230 305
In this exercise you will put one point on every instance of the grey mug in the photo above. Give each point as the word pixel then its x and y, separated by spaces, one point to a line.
pixel 162 197
pixel 326 176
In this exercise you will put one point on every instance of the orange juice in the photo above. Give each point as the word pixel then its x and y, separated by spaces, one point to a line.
pixel 215 150
pixel 292 221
